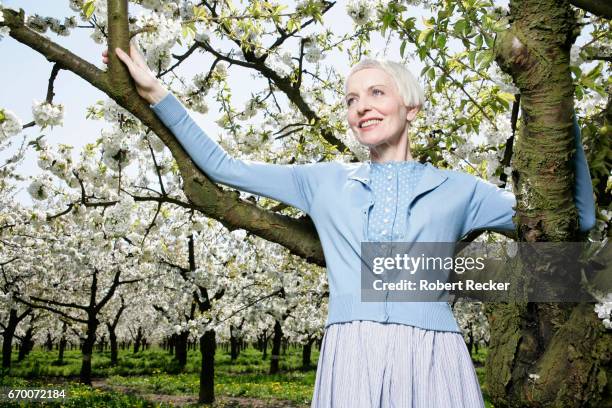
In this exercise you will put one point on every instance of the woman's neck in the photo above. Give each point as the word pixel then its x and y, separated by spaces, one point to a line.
pixel 390 156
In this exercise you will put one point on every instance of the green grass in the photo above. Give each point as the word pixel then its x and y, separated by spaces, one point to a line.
pixel 78 396
pixel 246 377
pixel 155 372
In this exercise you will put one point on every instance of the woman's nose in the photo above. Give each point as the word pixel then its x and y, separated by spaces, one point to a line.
pixel 363 105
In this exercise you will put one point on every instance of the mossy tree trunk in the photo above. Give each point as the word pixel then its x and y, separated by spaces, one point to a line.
pixel 564 344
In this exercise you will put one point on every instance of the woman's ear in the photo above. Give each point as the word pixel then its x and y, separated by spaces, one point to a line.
pixel 412 112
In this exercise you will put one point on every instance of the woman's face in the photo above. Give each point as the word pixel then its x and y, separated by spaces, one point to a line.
pixel 376 112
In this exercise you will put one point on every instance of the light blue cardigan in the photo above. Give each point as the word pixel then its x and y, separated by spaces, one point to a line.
pixel 446 205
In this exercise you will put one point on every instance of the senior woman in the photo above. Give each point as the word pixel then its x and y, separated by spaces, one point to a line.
pixel 374 354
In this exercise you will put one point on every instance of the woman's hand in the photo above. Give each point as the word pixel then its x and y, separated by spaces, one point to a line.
pixel 147 85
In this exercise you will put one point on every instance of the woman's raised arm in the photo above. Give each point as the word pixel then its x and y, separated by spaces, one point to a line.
pixel 283 182
pixel 492 207
pixel 290 184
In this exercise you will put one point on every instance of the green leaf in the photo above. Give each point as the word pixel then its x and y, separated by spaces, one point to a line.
pixel 423 35
pixel 471 57
pixel 422 53
pixel 459 26
pixel 441 40
pixel 89 8
pixel 577 71
pixel 440 83
pixel 402 48
pixel 431 74
pixel 2 116
pixel 506 96
pixel 199 13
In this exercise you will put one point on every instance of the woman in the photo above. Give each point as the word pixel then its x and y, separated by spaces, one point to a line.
pixel 374 354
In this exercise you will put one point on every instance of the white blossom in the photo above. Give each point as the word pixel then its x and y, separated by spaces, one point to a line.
pixel 202 36
pixel 156 45
pixel 75 5
pixel 360 11
pixel 312 52
pixel 117 150
pixel 39 188
pixel 575 58
pixel 10 126
pixel 3 30
pixel 604 310
pixel 534 377
pixel 48 114
pixel 151 4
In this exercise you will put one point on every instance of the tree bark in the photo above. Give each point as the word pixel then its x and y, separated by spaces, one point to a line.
pixel 276 346
pixel 564 344
pixel 87 350
pixel 207 369
pixel 306 354
pixel 180 348
pixel 138 340
pixel 234 345
pixel 9 334
pixel 26 344
pixel 112 338
pixel 62 346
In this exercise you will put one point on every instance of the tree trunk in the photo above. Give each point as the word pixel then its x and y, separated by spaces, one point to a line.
pixel 264 344
pixel 138 340
pixel 306 353
pixel 234 345
pixel 207 369
pixel 62 348
pixel 276 346
pixel 180 347
pixel 7 338
pixel 171 343
pixel 112 338
pixel 87 350
pixel 49 342
pixel 26 344
pixel 564 344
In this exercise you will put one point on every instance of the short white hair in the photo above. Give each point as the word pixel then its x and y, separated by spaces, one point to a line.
pixel 407 85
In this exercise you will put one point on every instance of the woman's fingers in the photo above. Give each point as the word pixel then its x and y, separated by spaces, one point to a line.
pixel 137 55
pixel 126 60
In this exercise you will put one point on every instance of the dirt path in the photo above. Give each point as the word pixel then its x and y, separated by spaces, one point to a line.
pixel 189 400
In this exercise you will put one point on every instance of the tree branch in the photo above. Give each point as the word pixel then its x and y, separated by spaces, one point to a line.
pixel 601 8
pixel 52 51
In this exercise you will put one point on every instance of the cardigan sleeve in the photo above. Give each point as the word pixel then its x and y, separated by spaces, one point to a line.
pixel 492 207
pixel 287 183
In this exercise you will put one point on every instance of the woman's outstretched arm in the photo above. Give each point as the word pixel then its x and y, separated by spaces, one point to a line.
pixel 287 183
pixel 284 183
pixel 492 207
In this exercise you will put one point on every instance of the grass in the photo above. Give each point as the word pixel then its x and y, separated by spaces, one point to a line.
pixel 154 371
pixel 77 396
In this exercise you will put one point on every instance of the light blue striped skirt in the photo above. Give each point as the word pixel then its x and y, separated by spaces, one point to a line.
pixel 383 365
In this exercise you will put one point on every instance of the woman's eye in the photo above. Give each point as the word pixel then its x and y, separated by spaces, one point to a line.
pixel 348 101
pixel 377 92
